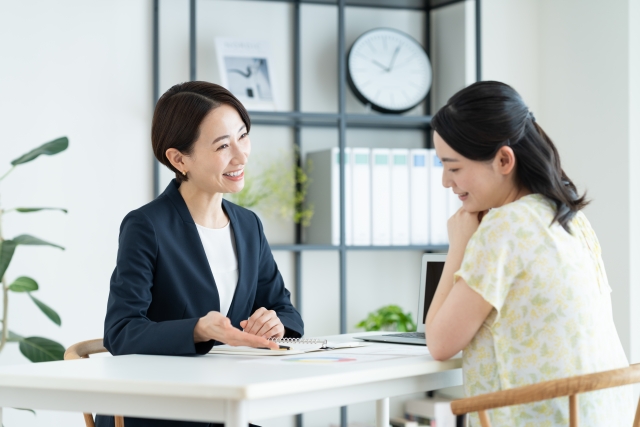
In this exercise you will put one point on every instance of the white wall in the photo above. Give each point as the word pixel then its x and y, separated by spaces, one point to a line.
pixel 81 69
pixel 511 48
pixel 634 174
pixel 585 107
pixel 576 64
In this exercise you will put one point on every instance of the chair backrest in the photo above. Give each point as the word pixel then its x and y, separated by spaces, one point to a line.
pixel 548 390
pixel 82 350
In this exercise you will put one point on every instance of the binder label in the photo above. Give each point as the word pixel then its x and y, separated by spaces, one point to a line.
pixel 362 159
pixel 381 159
pixel 418 161
pixel 346 158
pixel 399 159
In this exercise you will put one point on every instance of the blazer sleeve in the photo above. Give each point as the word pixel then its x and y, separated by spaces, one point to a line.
pixel 127 329
pixel 271 292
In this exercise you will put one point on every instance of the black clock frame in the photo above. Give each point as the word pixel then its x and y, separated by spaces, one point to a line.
pixel 363 98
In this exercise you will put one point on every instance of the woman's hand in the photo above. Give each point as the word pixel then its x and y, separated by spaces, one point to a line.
pixel 215 326
pixel 461 227
pixel 264 323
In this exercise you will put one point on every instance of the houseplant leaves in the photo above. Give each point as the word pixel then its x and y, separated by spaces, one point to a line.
pixel 48 311
pixel 28 210
pixel 38 349
pixel 7 248
pixel 50 148
pixel 23 284
pixel 26 239
pixel 27 284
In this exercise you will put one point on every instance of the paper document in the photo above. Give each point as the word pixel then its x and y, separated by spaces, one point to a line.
pixel 329 358
pixel 391 350
pixel 293 349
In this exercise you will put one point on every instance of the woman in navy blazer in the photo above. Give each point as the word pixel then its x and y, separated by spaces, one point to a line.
pixel 164 298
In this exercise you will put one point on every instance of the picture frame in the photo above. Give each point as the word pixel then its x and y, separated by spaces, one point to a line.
pixel 247 70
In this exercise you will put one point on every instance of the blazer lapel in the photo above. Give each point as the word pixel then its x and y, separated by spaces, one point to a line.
pixel 195 247
pixel 242 288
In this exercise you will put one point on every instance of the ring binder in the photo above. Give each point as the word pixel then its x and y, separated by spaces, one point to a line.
pixel 299 341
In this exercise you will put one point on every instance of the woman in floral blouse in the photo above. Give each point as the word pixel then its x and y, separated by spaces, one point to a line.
pixel 524 292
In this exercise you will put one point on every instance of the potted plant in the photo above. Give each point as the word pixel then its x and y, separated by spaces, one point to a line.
pixel 36 349
pixel 388 318
pixel 279 191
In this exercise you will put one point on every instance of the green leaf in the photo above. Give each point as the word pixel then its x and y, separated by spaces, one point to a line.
pixel 7 248
pixel 27 210
pixel 48 311
pixel 25 239
pixel 49 149
pixel 25 409
pixel 38 349
pixel 390 317
pixel 13 337
pixel 23 284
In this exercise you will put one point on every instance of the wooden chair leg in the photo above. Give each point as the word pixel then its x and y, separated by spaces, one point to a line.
pixel 484 419
pixel 119 421
pixel 88 420
pixel 636 421
pixel 574 414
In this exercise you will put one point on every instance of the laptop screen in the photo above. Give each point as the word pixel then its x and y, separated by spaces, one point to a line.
pixel 432 267
pixel 434 271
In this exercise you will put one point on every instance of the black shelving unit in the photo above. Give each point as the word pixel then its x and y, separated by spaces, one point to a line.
pixel 341 120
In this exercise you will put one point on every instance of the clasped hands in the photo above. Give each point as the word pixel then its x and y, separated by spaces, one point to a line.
pixel 262 324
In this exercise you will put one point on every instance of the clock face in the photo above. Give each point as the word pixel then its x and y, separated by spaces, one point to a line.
pixel 389 70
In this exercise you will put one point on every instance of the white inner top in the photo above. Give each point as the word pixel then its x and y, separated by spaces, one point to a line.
pixel 220 247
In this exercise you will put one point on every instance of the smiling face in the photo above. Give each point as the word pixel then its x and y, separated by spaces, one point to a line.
pixel 216 164
pixel 481 185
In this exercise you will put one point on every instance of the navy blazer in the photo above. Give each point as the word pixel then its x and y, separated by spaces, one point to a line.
pixel 163 284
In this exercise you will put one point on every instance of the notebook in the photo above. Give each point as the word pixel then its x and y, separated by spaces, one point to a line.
pixel 289 346
pixel 432 267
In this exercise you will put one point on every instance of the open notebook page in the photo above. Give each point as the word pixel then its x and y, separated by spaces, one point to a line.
pixel 294 348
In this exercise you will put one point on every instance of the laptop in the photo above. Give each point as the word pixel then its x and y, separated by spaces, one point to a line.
pixel 432 266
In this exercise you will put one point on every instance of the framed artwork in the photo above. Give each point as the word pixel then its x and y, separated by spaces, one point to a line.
pixel 246 70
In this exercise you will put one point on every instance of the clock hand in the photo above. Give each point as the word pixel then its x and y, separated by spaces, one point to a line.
pixel 408 60
pixel 393 59
pixel 379 65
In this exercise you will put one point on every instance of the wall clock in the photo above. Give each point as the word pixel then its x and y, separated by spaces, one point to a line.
pixel 388 70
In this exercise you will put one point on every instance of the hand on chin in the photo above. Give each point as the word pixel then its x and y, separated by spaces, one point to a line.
pixel 461 227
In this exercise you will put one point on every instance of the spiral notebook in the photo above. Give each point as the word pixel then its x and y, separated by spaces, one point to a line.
pixel 288 346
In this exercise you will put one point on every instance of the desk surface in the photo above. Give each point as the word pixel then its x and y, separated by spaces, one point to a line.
pixel 214 377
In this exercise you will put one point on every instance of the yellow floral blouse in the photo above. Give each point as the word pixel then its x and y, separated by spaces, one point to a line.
pixel 551 315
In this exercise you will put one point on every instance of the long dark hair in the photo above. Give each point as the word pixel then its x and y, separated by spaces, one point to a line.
pixel 485 116
pixel 179 113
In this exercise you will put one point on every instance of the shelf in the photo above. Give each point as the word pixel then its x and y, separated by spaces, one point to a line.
pixel 384 4
pixel 388 121
pixel 292 118
pixel 362 121
pixel 306 247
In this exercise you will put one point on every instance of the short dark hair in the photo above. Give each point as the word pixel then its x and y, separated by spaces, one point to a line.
pixel 179 113
pixel 485 116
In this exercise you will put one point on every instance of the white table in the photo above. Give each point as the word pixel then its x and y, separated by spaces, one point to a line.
pixel 216 388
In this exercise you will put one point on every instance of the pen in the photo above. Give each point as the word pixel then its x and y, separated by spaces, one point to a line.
pixel 281 347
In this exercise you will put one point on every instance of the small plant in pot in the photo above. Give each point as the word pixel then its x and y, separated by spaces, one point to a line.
pixel 388 318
